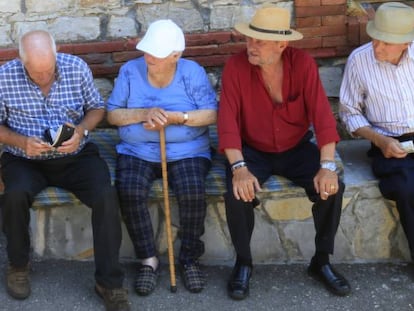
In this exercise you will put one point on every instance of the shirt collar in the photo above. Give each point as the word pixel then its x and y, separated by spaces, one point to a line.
pixel 410 51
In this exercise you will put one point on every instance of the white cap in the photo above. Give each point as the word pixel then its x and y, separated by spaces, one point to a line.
pixel 162 38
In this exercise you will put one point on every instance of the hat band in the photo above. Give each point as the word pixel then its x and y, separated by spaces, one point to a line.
pixel 279 32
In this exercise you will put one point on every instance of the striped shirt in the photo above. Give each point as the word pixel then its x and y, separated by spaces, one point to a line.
pixel 26 111
pixel 378 94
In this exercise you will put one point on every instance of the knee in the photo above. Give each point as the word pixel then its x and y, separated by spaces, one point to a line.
pixel 15 204
pixel 402 190
pixel 232 204
pixel 17 198
pixel 104 197
pixel 192 197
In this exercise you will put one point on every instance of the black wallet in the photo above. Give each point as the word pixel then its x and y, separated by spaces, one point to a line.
pixel 57 136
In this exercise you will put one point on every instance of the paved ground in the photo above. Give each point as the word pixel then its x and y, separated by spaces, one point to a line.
pixel 68 286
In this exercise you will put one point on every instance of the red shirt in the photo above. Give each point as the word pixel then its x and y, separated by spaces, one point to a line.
pixel 247 113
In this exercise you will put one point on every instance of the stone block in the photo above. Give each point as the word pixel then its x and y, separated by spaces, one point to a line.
pixel 119 27
pixel 223 19
pixel 266 243
pixel 35 6
pixel 331 78
pixel 4 35
pixel 284 209
pixel 218 246
pixel 98 3
pixel 183 14
pixel 7 6
pixel 75 28
pixel 62 232
pixel 298 240
pixel 23 27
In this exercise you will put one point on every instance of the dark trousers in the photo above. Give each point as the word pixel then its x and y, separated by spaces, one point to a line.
pixel 84 174
pixel 187 180
pixel 396 182
pixel 300 165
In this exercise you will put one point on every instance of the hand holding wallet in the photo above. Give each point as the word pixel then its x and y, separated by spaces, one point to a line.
pixel 57 136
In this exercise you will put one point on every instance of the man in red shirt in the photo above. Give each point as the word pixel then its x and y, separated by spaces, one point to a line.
pixel 271 97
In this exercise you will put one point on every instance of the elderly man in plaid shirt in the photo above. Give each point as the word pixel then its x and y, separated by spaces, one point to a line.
pixel 40 91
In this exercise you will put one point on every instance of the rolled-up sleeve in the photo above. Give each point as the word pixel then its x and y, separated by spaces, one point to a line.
pixel 351 109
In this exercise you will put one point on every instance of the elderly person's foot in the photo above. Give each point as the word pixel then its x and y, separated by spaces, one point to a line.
pixel 18 281
pixel 333 281
pixel 238 285
pixel 115 299
pixel 194 279
pixel 146 279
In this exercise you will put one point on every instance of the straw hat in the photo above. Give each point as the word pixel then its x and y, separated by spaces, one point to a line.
pixel 269 23
pixel 162 38
pixel 393 23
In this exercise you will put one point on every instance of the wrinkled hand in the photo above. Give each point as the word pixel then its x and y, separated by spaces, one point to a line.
pixel 35 146
pixel 245 185
pixel 326 183
pixel 390 147
pixel 72 144
pixel 156 119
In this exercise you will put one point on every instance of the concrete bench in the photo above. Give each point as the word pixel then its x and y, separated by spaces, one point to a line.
pixel 284 231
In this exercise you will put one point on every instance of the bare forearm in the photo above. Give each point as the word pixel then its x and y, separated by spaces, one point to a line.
pixel 126 116
pixel 8 137
pixel 120 117
pixel 328 152
pixel 368 133
pixel 233 155
pixel 200 117
pixel 92 118
pixel 390 147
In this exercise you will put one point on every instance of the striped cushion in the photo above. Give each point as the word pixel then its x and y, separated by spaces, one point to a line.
pixel 106 139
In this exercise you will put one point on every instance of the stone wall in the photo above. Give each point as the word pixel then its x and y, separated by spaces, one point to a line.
pixel 104 32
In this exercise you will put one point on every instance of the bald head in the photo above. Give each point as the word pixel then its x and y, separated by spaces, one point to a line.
pixel 35 44
pixel 37 51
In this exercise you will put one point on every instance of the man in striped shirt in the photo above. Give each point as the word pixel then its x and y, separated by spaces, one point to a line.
pixel 377 103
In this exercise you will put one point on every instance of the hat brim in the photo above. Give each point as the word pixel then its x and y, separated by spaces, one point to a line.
pixel 146 47
pixel 244 29
pixel 388 37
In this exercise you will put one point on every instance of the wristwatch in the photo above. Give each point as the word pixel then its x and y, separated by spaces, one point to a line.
pixel 85 133
pixel 329 165
pixel 185 116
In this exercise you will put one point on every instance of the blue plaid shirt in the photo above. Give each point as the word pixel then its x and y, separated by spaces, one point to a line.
pixel 25 110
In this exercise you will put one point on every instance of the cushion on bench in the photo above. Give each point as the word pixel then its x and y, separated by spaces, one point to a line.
pixel 107 138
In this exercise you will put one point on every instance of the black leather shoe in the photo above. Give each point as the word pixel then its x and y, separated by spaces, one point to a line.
pixel 238 285
pixel 333 281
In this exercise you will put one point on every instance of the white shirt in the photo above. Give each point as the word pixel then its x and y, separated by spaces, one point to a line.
pixel 378 94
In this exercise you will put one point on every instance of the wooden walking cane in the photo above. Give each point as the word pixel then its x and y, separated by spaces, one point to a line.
pixel 173 287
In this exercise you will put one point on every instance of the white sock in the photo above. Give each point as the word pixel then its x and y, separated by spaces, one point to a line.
pixel 151 261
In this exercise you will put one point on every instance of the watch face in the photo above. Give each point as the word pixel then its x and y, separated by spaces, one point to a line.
pixel 329 166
